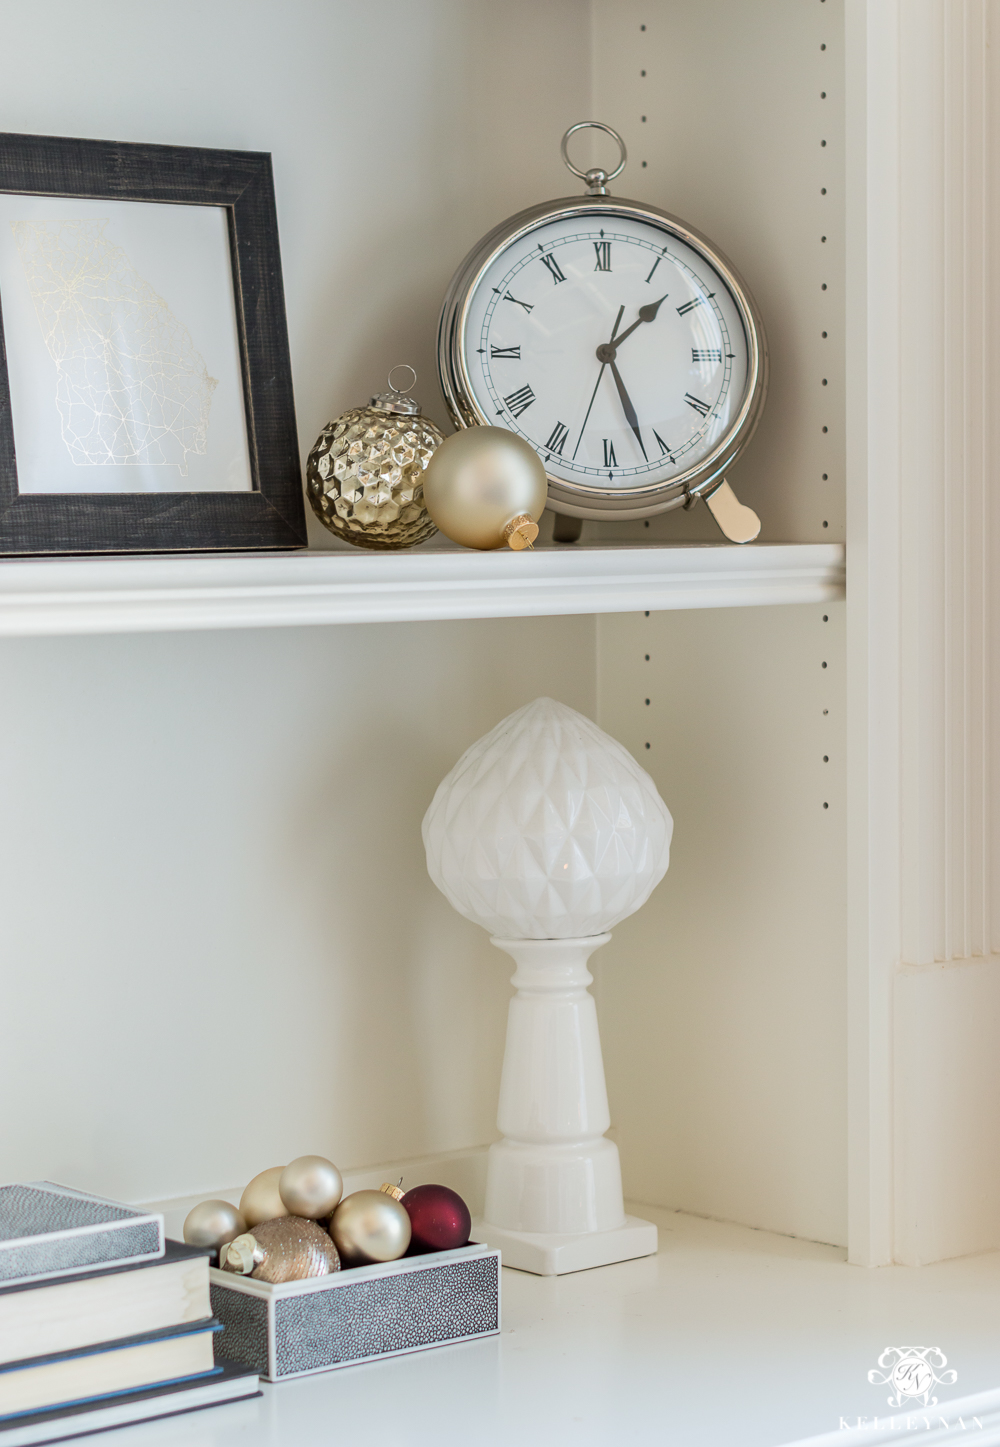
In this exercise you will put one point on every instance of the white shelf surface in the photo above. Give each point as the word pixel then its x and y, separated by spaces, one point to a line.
pixel 727 1338
pixel 153 594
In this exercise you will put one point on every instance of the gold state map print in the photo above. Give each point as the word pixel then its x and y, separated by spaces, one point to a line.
pixel 131 388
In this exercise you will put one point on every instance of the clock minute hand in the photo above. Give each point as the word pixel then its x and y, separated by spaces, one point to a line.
pixel 647 313
pixel 627 408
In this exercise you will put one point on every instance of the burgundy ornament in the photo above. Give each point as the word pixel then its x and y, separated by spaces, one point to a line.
pixel 439 1219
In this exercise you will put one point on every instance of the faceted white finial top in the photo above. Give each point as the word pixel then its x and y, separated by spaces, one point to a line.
pixel 547 828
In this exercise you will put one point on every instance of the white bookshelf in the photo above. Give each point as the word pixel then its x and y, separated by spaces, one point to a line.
pixel 154 594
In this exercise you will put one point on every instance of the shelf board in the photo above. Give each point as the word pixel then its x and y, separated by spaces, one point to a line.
pixel 265 590
pixel 727 1336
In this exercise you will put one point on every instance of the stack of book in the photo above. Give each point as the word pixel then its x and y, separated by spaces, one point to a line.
pixel 102 1322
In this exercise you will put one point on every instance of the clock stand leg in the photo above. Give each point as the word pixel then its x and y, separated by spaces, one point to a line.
pixel 737 523
pixel 566 529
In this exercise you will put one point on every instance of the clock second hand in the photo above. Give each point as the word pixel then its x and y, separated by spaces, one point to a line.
pixel 576 449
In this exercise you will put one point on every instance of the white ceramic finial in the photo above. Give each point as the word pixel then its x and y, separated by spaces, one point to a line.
pixel 547 828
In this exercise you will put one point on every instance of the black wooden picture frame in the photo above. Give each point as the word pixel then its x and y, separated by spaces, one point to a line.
pixel 271 516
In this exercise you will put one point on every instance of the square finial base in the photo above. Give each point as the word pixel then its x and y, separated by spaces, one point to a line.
pixel 548 1254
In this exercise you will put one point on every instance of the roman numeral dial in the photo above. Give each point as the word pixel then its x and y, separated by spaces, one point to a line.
pixel 610 345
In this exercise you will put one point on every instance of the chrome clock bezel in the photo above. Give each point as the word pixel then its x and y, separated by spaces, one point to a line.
pixel 584 500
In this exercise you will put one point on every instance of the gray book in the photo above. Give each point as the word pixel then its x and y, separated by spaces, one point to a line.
pixel 48 1230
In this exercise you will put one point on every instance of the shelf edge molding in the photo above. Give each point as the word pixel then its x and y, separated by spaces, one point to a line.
pixel 65 596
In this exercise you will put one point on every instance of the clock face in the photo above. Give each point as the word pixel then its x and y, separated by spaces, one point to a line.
pixel 610 345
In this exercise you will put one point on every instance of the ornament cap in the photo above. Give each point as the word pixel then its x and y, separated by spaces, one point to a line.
pixel 243 1254
pixel 520 532
pixel 389 1190
pixel 396 400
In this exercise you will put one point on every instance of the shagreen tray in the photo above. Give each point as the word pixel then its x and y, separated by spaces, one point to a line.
pixel 359 1315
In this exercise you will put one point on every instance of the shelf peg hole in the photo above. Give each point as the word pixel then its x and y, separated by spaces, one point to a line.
pixel 647 702
pixel 822 665
pixel 826 758
pixel 826 806
pixel 647 657
pixel 826 617
pixel 647 746
pixel 825 523
pixel 822 189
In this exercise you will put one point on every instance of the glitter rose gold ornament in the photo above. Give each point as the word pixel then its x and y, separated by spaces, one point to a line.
pixel 288 1249
pixel 365 475
pixel 371 1226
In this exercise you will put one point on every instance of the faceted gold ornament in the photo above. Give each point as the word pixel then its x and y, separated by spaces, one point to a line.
pixel 365 474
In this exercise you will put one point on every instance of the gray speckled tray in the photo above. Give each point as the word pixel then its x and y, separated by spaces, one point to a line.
pixel 358 1315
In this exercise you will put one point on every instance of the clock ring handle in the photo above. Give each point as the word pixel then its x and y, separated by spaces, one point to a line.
pixel 596 178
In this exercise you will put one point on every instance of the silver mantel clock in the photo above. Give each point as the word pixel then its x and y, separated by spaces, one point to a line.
pixel 617 341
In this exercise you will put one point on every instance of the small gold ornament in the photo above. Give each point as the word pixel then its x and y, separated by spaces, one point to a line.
pixel 261 1201
pixel 311 1186
pixel 485 487
pixel 288 1249
pixel 213 1223
pixel 370 1226
pixel 365 474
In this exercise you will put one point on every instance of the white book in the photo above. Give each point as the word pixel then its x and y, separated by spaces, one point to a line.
pixel 103 1371
pixel 230 1384
pixel 40 1318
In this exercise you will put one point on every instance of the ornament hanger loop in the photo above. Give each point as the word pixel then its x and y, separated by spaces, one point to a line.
pixel 403 367
pixel 596 178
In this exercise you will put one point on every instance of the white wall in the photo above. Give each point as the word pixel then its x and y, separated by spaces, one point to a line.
pixel 723 1001
pixel 220 947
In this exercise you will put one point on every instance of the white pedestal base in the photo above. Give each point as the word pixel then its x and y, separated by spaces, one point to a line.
pixel 547 1254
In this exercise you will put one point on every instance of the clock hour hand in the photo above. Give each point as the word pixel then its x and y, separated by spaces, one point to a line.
pixel 627 407
pixel 647 313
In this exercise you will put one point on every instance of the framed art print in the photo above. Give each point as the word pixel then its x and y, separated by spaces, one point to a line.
pixel 145 383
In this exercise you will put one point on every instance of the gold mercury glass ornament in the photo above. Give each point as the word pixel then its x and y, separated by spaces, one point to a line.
pixel 365 474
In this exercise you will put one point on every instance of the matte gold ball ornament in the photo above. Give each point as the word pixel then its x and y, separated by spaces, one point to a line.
pixel 213 1223
pixel 311 1186
pixel 371 1226
pixel 287 1249
pixel 365 474
pixel 486 488
pixel 261 1201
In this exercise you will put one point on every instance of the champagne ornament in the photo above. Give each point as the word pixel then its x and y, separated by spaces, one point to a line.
pixel 213 1223
pixel 371 1226
pixel 288 1249
pixel 365 475
pixel 486 488
pixel 310 1186
pixel 261 1201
